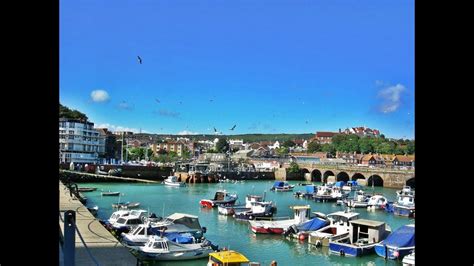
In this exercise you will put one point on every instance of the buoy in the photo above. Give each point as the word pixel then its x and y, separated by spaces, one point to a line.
pixel 302 237
pixel 396 254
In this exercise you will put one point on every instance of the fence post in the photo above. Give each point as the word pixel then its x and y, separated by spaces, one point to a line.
pixel 69 238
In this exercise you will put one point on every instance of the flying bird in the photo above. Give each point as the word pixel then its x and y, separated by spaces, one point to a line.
pixel 158 101
pixel 139 59
pixel 233 127
pixel 215 130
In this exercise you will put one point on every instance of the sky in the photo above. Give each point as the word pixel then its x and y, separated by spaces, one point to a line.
pixel 265 66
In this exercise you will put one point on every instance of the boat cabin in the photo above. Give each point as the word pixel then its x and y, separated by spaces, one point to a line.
pixel 228 258
pixel 365 231
pixel 188 220
pixel 172 178
pixel 156 243
pixel 302 213
pixel 342 217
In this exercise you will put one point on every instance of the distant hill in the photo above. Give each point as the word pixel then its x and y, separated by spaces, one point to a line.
pixel 65 112
pixel 244 137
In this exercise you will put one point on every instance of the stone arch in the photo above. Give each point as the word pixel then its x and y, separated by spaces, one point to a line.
pixel 411 182
pixel 342 176
pixel 304 171
pixel 326 174
pixel 376 179
pixel 316 175
pixel 357 176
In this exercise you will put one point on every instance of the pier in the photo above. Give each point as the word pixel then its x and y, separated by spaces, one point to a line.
pixel 88 177
pixel 104 248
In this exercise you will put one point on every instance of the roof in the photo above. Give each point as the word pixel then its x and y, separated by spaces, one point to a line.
pixel 178 215
pixel 229 256
pixel 325 134
pixel 367 157
pixel 405 158
pixel 371 223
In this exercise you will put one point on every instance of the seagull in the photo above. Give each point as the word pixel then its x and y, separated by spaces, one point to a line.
pixel 233 127
pixel 139 59
pixel 211 100
pixel 215 130
pixel 306 121
pixel 158 101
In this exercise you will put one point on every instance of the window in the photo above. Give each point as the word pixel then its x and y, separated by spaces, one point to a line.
pixel 71 146
pixel 71 124
pixel 71 132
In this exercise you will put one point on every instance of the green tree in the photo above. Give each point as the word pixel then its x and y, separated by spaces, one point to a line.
pixel 282 151
pixel 411 147
pixel 65 112
pixel 314 146
pixel 366 145
pixel 329 148
pixel 222 145
pixel 294 168
pixel 288 144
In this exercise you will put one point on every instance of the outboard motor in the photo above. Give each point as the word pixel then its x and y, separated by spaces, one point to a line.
pixel 204 230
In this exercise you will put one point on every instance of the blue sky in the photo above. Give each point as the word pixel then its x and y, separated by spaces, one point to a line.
pixel 268 66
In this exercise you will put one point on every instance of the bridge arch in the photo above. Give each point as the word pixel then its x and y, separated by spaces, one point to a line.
pixel 411 182
pixel 342 176
pixel 358 176
pixel 304 171
pixel 316 175
pixel 376 180
pixel 326 175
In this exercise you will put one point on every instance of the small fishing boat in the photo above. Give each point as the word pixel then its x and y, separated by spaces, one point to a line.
pixel 221 197
pixel 377 202
pixel 257 209
pixel 172 181
pixel 405 205
pixel 111 193
pixel 126 205
pixel 360 200
pixel 279 226
pixel 282 186
pixel 398 244
pixel 409 260
pixel 162 249
pixel 351 186
pixel 86 189
pixel 363 236
pixel 302 231
pixel 228 257
pixel 338 228
pixel 327 193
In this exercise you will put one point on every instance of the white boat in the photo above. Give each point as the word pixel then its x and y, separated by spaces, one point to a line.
pixel 405 205
pixel 221 197
pixel 377 202
pixel 328 193
pixel 117 214
pixel 360 200
pixel 175 223
pixel 301 215
pixel 161 248
pixel 338 227
pixel 172 181
pixel 409 260
pixel 351 186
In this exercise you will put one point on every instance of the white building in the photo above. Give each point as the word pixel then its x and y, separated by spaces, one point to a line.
pixel 79 142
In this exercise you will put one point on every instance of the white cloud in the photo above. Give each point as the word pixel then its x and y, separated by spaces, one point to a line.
pixel 114 128
pixel 99 96
pixel 391 98
pixel 186 132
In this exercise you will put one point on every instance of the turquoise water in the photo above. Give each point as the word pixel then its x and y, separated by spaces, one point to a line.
pixel 227 232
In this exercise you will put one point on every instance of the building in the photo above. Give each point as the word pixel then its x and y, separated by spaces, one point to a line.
pixel 171 146
pixel 236 144
pixel 79 142
pixel 324 137
pixel 404 160
pixel 110 153
pixel 362 131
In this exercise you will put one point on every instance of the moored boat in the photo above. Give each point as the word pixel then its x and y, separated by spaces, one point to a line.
pixel 360 200
pixel 162 249
pixel 351 186
pixel 117 193
pixel 405 205
pixel 377 202
pixel 301 215
pixel 398 244
pixel 172 181
pixel 281 186
pixel 229 257
pixel 363 236
pixel 86 189
pixel 338 228
pixel 409 260
pixel 221 197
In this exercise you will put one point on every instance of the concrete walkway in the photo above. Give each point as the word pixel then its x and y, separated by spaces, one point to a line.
pixel 104 247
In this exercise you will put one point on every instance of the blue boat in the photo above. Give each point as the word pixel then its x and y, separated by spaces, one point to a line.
pixel 309 191
pixel 363 236
pixel 282 186
pixel 398 244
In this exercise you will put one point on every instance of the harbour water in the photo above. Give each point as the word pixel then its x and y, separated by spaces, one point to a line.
pixel 225 231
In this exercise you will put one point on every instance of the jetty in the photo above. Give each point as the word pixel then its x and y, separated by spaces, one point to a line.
pixel 99 246
pixel 76 176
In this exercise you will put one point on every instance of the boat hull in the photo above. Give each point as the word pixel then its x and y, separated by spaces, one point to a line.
pixel 403 211
pixel 181 255
pixel 269 230
pixel 391 252
pixel 175 184
pixel 350 250
pixel 214 203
